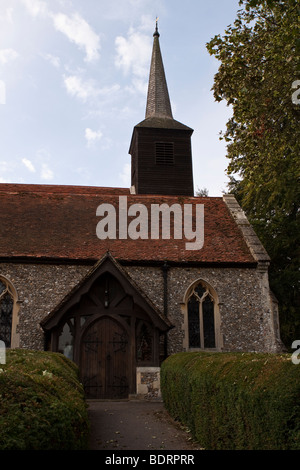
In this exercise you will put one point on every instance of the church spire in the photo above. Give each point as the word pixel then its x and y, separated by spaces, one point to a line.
pixel 158 100
pixel 160 148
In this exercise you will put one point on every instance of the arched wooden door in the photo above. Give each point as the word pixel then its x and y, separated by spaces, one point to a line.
pixel 105 363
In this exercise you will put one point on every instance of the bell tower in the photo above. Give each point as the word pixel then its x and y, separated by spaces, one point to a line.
pixel 160 149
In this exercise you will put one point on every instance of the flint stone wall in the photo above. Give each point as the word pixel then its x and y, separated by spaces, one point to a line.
pixel 40 288
pixel 245 309
pixel 148 382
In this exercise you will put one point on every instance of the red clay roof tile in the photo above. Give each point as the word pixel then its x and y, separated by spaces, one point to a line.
pixel 59 222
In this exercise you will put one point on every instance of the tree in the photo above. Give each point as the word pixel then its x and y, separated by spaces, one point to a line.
pixel 202 192
pixel 259 57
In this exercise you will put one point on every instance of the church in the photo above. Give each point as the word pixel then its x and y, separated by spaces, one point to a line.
pixel 117 302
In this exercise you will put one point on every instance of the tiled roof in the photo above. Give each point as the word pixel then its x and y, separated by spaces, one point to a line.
pixel 11 188
pixel 59 222
pixel 158 122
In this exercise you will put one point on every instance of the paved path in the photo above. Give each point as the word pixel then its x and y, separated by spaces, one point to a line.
pixel 135 425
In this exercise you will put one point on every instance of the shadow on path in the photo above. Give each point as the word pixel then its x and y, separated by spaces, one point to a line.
pixel 135 425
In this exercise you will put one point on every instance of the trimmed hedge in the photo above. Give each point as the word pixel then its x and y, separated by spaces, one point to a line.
pixel 241 401
pixel 42 404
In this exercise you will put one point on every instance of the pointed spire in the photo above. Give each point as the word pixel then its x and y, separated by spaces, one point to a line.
pixel 158 100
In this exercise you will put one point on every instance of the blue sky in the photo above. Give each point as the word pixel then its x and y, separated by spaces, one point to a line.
pixel 73 84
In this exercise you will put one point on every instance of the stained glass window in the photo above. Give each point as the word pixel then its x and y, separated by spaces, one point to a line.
pixel 144 344
pixel 6 310
pixel 201 319
pixel 194 323
pixel 208 323
pixel 66 339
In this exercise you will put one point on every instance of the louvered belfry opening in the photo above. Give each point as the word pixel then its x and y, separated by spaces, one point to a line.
pixel 161 146
pixel 164 153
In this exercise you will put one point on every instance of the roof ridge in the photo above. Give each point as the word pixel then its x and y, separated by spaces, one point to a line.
pixel 60 188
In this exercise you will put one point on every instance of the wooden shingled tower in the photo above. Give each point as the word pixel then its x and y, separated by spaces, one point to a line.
pixel 161 155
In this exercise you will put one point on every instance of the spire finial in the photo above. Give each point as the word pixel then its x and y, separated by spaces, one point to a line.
pixel 156 28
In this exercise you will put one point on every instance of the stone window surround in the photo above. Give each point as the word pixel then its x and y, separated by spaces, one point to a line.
pixel 15 340
pixel 217 319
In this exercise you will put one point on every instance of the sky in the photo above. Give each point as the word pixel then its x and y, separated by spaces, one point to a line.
pixel 73 84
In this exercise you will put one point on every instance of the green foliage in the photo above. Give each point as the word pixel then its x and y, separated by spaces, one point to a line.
pixel 235 401
pixel 42 404
pixel 203 192
pixel 259 57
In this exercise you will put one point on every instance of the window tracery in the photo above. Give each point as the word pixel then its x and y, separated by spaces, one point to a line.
pixel 144 343
pixel 6 311
pixel 201 318
pixel 66 339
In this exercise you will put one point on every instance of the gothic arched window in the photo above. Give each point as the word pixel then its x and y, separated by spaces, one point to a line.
pixel 144 342
pixel 201 318
pixel 6 313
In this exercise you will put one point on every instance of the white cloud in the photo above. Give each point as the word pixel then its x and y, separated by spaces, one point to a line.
pixel 147 24
pixel 80 89
pixel 43 157
pixel 7 168
pixel 87 89
pixel 7 16
pixel 4 166
pixel 53 60
pixel 80 32
pixel 74 27
pixel 125 176
pixel 133 53
pixel 133 56
pixel 29 165
pixel 46 173
pixel 92 136
pixel 140 85
pixel 7 55
pixel 36 7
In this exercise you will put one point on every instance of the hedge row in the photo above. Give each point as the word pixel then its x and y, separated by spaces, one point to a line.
pixel 42 403
pixel 235 400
